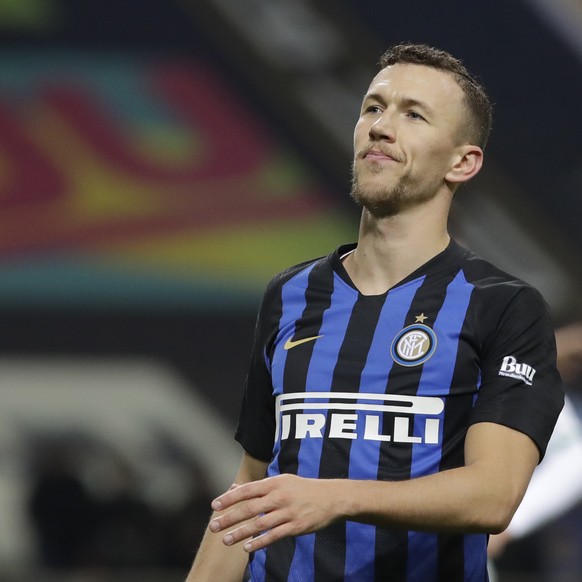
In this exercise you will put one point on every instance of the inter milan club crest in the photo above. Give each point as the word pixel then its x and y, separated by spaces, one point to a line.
pixel 414 345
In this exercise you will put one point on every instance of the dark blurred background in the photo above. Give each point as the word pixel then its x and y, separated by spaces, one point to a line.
pixel 160 160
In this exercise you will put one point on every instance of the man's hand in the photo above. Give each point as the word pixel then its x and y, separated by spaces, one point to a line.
pixel 285 505
pixel 479 497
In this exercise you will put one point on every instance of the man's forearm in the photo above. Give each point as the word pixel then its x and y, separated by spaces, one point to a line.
pixel 478 497
pixel 451 501
pixel 215 561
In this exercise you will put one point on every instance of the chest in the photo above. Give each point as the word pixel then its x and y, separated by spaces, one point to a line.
pixel 400 344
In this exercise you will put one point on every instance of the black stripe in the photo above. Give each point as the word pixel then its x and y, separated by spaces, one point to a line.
pixel 330 543
pixel 451 559
pixel 450 548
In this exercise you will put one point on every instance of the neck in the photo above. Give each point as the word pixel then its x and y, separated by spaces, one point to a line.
pixel 391 248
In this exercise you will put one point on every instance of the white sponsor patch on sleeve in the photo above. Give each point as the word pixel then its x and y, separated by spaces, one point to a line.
pixel 512 369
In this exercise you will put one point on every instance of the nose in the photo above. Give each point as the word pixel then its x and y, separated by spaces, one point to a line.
pixel 383 128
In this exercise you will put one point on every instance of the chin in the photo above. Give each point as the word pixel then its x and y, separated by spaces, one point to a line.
pixel 380 202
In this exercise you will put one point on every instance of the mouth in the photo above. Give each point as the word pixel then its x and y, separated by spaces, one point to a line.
pixel 376 155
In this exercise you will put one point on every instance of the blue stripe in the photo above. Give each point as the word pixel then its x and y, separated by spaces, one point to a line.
pixel 257 566
pixel 293 305
pixel 475 546
pixel 436 379
pixel 365 455
pixel 319 379
pixel 479 380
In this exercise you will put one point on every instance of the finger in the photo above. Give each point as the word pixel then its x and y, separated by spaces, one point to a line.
pixel 254 527
pixel 245 511
pixel 268 537
pixel 237 494
pixel 231 488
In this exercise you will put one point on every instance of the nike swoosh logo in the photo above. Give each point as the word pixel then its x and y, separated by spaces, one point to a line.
pixel 291 344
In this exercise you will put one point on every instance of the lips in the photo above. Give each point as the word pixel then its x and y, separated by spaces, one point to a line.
pixel 379 156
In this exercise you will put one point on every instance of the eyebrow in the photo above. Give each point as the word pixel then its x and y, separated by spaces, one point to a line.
pixel 406 101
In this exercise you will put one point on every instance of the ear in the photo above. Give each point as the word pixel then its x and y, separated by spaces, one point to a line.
pixel 467 162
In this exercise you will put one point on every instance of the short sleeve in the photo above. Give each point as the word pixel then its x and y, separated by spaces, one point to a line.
pixel 256 425
pixel 520 385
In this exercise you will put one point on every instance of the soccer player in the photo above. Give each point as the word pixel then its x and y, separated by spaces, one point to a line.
pixel 401 390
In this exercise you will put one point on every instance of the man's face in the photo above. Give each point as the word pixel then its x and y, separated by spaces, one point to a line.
pixel 406 138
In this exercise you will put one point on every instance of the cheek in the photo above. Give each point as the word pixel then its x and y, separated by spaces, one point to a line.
pixel 434 155
pixel 361 133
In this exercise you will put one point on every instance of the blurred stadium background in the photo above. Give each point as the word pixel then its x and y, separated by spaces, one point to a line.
pixel 160 160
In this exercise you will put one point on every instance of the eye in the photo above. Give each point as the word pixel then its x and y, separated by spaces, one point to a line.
pixel 415 115
pixel 373 109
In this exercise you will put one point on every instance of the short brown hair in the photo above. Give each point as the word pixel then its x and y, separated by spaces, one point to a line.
pixel 476 99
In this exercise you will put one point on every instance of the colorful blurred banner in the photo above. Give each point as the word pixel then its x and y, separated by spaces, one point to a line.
pixel 135 180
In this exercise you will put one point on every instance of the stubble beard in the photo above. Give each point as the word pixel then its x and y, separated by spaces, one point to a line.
pixel 381 201
pixel 390 199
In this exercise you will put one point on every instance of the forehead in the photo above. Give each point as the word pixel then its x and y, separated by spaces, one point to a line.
pixel 438 89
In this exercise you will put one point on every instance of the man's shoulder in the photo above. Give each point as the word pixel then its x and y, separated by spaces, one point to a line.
pixel 493 283
pixel 485 274
pixel 290 273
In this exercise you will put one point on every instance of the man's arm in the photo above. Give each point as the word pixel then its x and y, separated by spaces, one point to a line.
pixel 478 497
pixel 214 561
pixel 560 472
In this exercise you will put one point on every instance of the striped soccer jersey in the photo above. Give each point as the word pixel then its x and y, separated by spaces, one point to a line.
pixel 384 387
